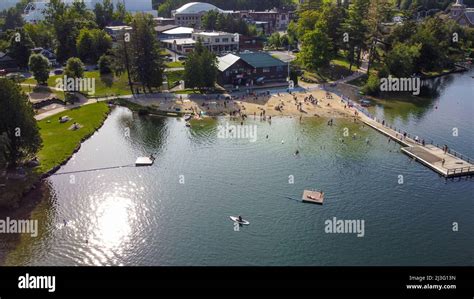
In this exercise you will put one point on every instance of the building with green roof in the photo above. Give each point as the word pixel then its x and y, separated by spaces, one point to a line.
pixel 250 68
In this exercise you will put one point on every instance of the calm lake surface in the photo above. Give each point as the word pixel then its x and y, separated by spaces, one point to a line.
pixel 146 216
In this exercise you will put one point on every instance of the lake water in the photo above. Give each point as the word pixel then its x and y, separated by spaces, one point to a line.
pixel 150 216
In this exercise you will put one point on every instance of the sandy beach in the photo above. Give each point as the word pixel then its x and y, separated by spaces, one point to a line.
pixel 315 103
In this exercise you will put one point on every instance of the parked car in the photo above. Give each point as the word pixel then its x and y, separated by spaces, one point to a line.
pixel 181 58
pixel 58 72
pixel 295 50
pixel 3 72
pixel 16 76
pixel 260 81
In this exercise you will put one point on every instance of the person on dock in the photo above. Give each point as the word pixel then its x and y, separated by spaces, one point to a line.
pixel 442 162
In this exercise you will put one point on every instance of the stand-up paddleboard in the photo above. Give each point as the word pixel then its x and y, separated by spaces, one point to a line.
pixel 236 219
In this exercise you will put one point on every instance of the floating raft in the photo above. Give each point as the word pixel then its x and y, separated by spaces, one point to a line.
pixel 313 196
pixel 144 161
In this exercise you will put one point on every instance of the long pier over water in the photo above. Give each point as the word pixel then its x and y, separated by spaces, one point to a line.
pixel 448 163
pixel 445 162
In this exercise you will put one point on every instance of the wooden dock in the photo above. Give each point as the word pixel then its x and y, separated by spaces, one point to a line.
pixel 448 164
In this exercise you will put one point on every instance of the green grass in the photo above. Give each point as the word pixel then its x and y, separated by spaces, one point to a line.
pixel 342 62
pixel 104 85
pixel 59 142
pixel 174 64
pixel 174 76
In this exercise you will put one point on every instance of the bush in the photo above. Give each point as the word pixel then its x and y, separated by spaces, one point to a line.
pixel 372 87
pixel 105 65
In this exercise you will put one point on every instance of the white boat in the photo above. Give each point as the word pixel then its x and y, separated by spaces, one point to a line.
pixel 187 117
pixel 236 219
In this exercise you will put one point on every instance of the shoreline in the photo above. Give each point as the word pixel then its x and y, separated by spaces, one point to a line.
pixel 294 104
pixel 23 204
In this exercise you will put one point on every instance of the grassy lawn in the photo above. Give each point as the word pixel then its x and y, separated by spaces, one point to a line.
pixel 59 142
pixel 104 85
pixel 174 76
pixel 174 64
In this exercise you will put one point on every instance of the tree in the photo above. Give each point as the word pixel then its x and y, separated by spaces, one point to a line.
pixel 105 65
pixel 20 46
pixel 200 70
pixel 39 66
pixel 18 126
pixel 274 40
pixel 13 19
pixel 85 45
pixel 67 21
pixel 92 43
pixel 74 68
pixel 41 34
pixel 146 62
pixel 356 26
pixel 401 59
pixel 104 13
pixel 372 87
pixel 316 51
pixel 121 13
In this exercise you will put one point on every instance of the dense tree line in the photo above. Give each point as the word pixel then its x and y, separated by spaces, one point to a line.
pixel 326 29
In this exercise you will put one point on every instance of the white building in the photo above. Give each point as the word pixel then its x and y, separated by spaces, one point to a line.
pixel 190 14
pixel 216 41
pixel 35 10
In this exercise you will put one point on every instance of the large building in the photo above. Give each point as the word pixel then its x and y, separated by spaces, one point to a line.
pixel 461 14
pixel 269 20
pixel 191 13
pixel 216 41
pixel 250 68
pixel 34 11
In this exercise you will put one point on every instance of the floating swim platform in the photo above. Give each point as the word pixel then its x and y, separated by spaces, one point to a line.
pixel 144 161
pixel 312 196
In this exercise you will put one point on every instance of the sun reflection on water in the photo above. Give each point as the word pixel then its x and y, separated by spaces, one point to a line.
pixel 112 228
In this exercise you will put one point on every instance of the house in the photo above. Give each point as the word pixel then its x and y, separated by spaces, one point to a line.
pixel 246 67
pixel 461 14
pixel 46 53
pixel 162 28
pixel 8 63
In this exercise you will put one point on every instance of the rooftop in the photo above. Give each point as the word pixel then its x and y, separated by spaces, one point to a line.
pixel 255 59
pixel 196 7
pixel 261 59
pixel 179 41
pixel 180 30
pixel 226 61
